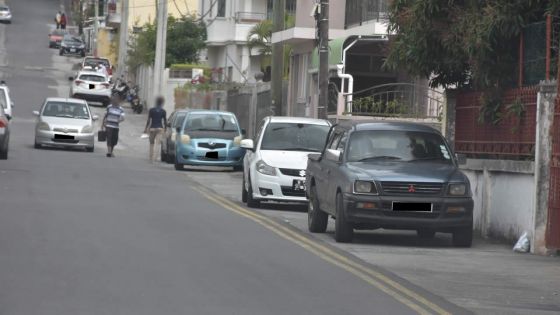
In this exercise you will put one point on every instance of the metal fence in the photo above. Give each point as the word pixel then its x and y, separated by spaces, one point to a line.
pixel 512 137
pixel 402 100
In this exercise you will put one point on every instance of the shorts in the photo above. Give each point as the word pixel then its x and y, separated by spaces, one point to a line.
pixel 112 136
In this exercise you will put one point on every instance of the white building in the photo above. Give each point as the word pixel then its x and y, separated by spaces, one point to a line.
pixel 347 20
pixel 228 24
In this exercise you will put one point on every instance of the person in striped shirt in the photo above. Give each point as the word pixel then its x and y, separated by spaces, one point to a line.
pixel 113 117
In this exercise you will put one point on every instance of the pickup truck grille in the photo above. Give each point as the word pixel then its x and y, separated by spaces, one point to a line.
pixel 403 188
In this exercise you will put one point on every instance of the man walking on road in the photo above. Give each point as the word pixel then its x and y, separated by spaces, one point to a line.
pixel 113 117
pixel 156 124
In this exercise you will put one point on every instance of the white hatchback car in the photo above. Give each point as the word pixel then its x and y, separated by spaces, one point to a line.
pixel 92 87
pixel 275 163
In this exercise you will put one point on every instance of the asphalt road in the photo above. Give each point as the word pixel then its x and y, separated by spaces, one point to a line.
pixel 84 234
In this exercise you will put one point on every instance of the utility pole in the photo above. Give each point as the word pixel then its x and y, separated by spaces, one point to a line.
pixel 323 24
pixel 123 39
pixel 161 44
pixel 279 8
pixel 95 26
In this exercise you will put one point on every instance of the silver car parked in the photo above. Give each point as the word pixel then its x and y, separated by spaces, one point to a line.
pixel 65 122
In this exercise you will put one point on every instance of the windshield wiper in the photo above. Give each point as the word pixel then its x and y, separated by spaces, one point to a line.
pixel 430 158
pixel 65 115
pixel 380 157
pixel 300 149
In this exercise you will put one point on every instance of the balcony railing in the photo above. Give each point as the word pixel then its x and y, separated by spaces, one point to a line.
pixel 360 11
pixel 249 17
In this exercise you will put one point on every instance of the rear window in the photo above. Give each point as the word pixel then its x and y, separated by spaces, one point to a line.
pixel 4 9
pixel 95 62
pixel 92 78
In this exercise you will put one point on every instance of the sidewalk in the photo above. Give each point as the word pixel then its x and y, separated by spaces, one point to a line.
pixel 488 278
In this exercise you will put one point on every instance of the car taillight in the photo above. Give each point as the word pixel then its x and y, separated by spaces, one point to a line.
pixel 105 85
pixel 78 82
pixel 110 71
pixel 3 123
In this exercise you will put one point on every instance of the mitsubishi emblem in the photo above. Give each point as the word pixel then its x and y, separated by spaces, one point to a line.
pixel 411 189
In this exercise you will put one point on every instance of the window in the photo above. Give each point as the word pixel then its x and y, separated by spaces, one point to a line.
pixel 178 120
pixel 211 122
pixel 290 8
pixel 92 78
pixel 294 137
pixel 221 8
pixel 66 110
pixel 395 145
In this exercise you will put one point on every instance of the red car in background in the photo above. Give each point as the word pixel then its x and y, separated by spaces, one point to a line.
pixel 55 37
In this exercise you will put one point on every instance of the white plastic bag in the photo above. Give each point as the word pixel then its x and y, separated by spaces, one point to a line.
pixel 144 136
pixel 523 244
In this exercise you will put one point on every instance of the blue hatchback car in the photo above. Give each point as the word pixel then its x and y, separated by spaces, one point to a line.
pixel 209 138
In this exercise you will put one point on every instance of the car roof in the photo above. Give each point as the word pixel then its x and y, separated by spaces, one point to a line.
pixel 297 120
pixel 208 111
pixel 65 100
pixel 360 125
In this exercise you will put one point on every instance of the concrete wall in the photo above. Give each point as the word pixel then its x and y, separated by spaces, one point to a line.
pixel 503 193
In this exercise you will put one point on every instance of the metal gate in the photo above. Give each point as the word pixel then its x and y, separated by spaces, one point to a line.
pixel 553 224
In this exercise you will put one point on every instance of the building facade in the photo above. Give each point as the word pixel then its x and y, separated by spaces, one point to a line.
pixel 349 20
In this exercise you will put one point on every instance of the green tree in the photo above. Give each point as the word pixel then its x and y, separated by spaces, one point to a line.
pixel 260 37
pixel 185 38
pixel 461 42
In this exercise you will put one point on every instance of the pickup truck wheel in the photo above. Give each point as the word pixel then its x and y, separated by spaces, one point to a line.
pixel 426 234
pixel 462 237
pixel 317 220
pixel 243 191
pixel 344 231
pixel 251 202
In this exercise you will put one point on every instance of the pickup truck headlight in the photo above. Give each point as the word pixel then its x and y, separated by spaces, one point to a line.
pixel 365 187
pixel 265 169
pixel 457 189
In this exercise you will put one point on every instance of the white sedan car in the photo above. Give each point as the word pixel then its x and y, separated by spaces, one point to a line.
pixel 275 163
pixel 91 86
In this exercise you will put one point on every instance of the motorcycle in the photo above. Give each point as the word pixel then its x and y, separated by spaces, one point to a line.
pixel 120 88
pixel 134 100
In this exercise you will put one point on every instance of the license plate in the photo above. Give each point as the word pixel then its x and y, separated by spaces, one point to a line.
pixel 412 206
pixel 63 137
pixel 298 185
pixel 72 50
pixel 212 155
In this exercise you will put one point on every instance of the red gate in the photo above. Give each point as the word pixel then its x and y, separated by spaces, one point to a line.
pixel 553 224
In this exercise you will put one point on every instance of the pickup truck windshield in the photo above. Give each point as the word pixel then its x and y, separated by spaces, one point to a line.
pixel 294 137
pixel 396 145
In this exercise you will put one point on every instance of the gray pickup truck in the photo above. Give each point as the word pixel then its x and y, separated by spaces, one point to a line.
pixel 390 175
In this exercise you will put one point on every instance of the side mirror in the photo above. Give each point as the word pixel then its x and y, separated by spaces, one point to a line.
pixel 36 112
pixel 243 132
pixel 12 104
pixel 9 117
pixel 178 129
pixel 333 155
pixel 461 158
pixel 70 78
pixel 95 117
pixel 248 144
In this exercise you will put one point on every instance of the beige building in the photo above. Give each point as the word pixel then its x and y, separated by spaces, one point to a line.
pixel 143 11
